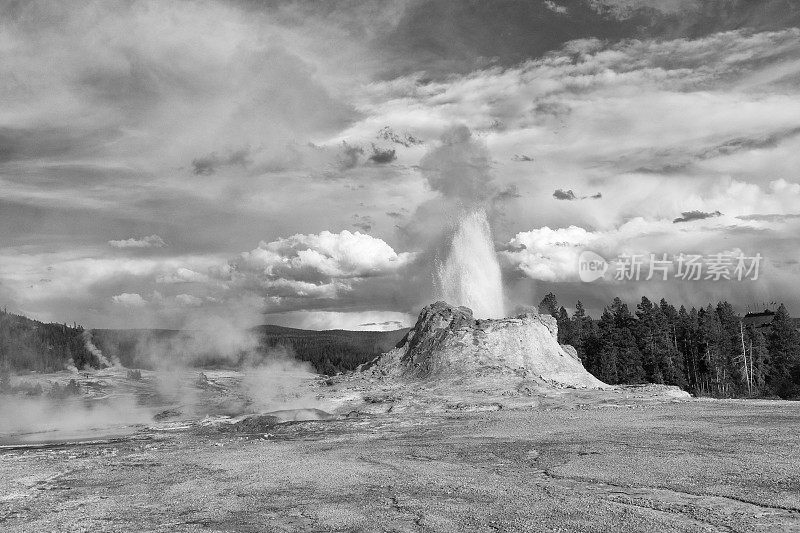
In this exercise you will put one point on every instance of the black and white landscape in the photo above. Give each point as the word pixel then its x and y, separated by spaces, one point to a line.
pixel 421 265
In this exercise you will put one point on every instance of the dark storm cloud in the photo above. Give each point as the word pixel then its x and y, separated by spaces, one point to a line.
pixel 569 195
pixel 209 164
pixel 682 160
pixel 688 216
pixel 697 18
pixel 743 144
pixel 446 36
pixel 382 156
pixel 509 193
pixel 665 168
pixel 560 194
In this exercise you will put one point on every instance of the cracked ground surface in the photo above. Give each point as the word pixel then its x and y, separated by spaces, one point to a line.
pixel 689 466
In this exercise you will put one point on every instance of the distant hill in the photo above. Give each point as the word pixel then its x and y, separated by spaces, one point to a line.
pixel 331 351
pixel 328 351
pixel 27 344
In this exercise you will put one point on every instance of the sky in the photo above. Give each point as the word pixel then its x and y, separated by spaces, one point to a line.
pixel 303 163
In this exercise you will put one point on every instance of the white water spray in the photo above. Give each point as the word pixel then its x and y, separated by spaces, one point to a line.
pixel 471 274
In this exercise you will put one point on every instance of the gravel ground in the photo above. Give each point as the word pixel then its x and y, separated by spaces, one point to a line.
pixel 684 466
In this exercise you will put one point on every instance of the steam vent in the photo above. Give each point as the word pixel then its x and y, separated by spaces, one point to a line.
pixel 447 342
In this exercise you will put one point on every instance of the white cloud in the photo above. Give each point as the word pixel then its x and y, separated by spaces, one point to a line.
pixel 323 256
pixel 547 254
pixel 129 300
pixel 183 275
pixel 151 241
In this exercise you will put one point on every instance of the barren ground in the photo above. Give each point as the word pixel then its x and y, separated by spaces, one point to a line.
pixel 699 465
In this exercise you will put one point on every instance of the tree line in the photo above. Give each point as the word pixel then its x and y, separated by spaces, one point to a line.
pixel 27 344
pixel 708 351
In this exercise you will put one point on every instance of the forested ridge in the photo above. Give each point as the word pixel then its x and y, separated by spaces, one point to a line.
pixel 708 351
pixel 331 351
pixel 328 352
pixel 27 344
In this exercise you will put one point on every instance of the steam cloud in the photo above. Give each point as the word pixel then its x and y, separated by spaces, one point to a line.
pixel 460 170
pixel 94 350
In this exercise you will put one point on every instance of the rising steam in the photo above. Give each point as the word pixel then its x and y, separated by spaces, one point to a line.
pixel 470 276
pixel 95 351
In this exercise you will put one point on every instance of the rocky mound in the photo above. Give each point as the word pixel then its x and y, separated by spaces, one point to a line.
pixel 447 342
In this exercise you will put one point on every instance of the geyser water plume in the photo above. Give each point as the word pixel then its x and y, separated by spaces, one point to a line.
pixel 470 276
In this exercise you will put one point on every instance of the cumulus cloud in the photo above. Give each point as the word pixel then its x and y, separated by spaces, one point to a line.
pixel 548 254
pixel 323 256
pixel 183 275
pixel 129 300
pixel 550 257
pixel 151 241
pixel 552 254
pixel 307 270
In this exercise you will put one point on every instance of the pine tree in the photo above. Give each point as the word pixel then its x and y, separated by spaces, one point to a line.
pixel 758 355
pixel 784 352
pixel 603 360
pixel 565 335
pixel 549 305
pixel 582 328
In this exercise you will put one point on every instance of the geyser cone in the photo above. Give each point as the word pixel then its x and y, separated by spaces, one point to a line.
pixel 470 276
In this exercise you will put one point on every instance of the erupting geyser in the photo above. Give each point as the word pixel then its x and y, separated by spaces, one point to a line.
pixel 470 276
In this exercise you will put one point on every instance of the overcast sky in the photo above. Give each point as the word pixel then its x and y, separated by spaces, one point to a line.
pixel 299 163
